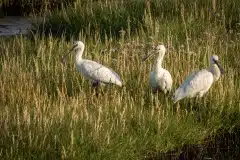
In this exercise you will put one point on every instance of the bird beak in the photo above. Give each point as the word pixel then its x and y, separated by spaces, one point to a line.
pixel 221 69
pixel 149 55
pixel 63 58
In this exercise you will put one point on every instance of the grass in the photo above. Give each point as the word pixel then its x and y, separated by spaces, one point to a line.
pixel 48 111
pixel 93 18
pixel 26 7
pixel 108 19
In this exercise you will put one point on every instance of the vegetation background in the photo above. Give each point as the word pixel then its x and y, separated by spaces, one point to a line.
pixel 48 111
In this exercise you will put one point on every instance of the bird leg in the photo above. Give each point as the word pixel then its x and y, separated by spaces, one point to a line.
pixel 95 85
pixel 155 90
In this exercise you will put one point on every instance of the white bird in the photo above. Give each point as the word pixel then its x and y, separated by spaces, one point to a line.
pixel 198 83
pixel 160 78
pixel 91 70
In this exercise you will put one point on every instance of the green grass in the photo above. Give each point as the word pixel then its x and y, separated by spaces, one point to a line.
pixel 26 7
pixel 95 19
pixel 108 19
pixel 48 111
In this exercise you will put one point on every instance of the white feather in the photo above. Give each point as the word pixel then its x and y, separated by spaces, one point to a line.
pixel 160 78
pixel 97 72
pixel 93 70
pixel 198 83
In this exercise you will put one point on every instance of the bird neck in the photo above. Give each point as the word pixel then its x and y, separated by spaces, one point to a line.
pixel 78 55
pixel 159 61
pixel 214 69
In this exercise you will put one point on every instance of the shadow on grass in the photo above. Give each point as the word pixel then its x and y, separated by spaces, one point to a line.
pixel 105 20
pixel 225 145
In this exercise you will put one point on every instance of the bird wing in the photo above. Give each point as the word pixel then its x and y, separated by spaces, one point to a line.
pixel 152 80
pixel 167 78
pixel 195 83
pixel 98 72
pixel 162 80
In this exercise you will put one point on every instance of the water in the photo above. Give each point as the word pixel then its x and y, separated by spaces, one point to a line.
pixel 14 25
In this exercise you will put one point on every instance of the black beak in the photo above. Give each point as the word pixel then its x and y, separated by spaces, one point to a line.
pixel 63 58
pixel 149 55
pixel 220 68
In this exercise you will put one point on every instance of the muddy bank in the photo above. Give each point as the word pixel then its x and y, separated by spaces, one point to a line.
pixel 14 25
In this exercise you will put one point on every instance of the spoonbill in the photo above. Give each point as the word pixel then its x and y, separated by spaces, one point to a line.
pixel 198 83
pixel 159 78
pixel 91 70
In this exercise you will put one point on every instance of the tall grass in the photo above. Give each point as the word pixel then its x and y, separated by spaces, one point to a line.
pixel 48 111
pixel 26 7
pixel 95 17
pixel 109 18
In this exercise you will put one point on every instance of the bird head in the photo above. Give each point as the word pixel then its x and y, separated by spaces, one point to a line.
pixel 77 45
pixel 214 60
pixel 160 49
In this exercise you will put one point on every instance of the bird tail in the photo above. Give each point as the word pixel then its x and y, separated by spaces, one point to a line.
pixel 119 83
pixel 117 79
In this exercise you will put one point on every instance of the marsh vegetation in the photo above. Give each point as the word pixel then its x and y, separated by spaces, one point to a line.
pixel 48 111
